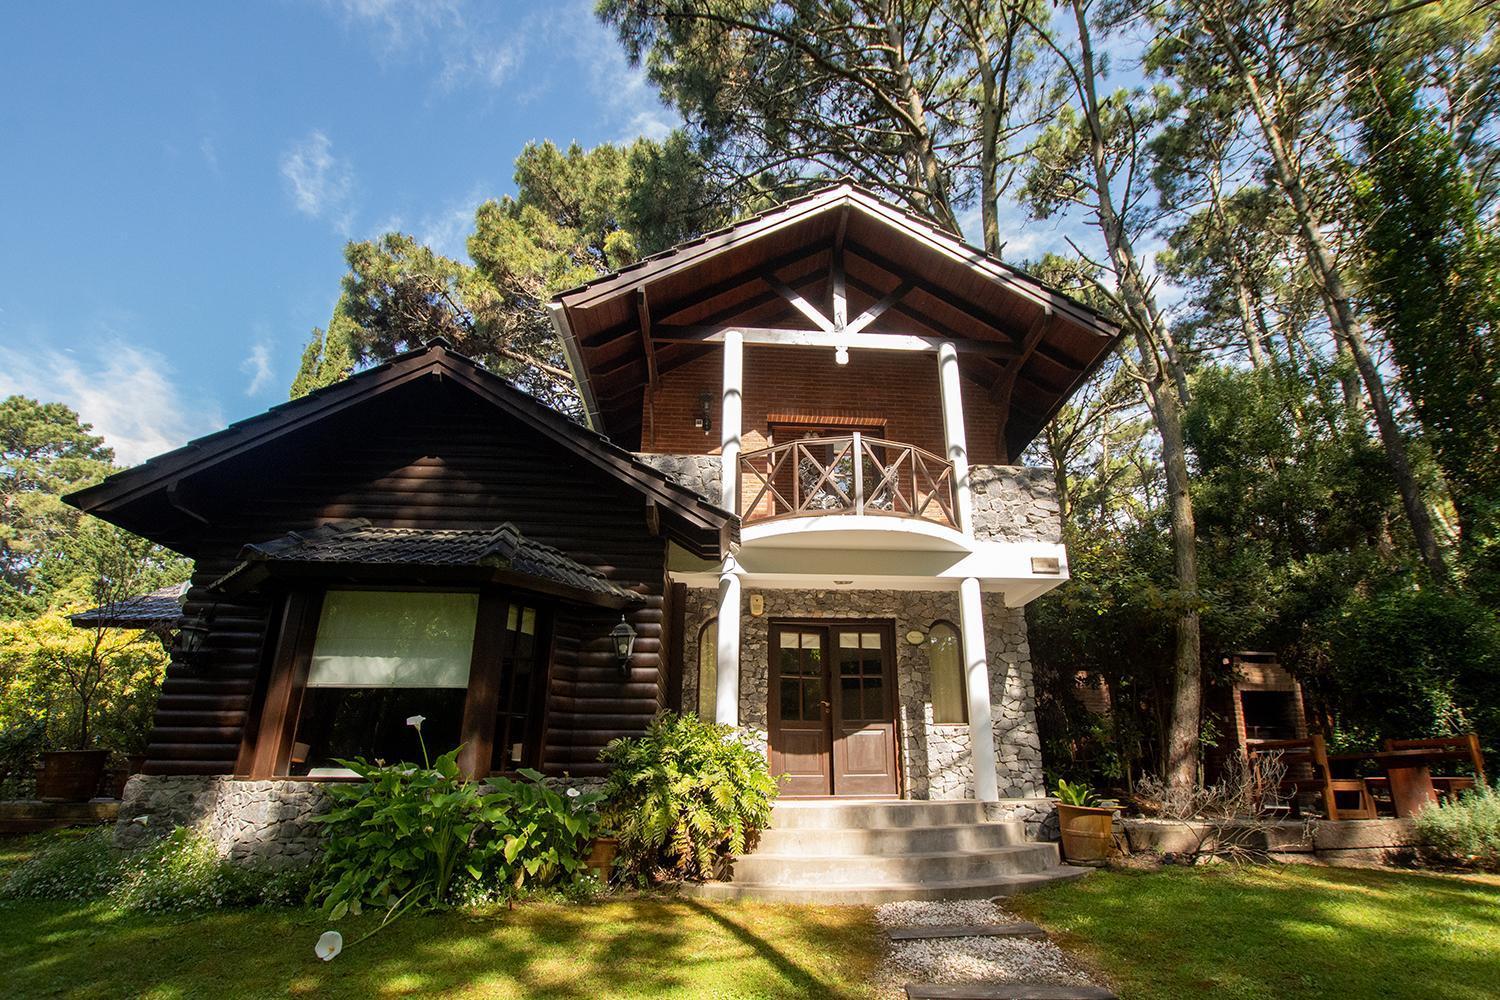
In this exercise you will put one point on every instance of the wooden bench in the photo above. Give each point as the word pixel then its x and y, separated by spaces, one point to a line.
pixel 1310 758
pixel 1462 749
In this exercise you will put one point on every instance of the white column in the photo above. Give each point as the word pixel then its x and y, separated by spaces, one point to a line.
pixel 953 434
pixel 731 419
pixel 727 703
pixel 977 683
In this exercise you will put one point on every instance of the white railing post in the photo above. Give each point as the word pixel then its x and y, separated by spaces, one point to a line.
pixel 951 390
pixel 731 418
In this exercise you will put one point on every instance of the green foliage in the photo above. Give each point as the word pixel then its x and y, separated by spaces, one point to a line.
pixel 177 874
pixel 400 837
pixel 1076 794
pixel 685 796
pixel 1463 832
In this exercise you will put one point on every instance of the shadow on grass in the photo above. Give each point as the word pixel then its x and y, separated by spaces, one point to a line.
pixel 1281 932
pixel 632 948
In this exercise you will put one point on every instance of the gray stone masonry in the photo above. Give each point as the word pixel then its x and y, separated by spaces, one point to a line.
pixel 699 473
pixel 264 824
pixel 1014 503
pixel 935 759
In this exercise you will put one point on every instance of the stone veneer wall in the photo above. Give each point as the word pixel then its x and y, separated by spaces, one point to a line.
pixel 264 824
pixel 1014 503
pixel 935 759
pixel 699 473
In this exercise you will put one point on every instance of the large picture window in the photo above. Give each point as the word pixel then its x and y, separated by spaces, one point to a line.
pixel 381 657
pixel 945 664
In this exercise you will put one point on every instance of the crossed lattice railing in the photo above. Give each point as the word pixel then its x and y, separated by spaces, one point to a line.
pixel 845 475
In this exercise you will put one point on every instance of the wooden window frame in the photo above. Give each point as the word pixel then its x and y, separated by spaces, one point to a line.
pixel 266 748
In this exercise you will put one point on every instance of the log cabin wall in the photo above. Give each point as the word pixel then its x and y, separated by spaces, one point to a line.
pixel 425 455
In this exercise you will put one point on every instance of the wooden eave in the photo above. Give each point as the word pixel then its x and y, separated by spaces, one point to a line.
pixel 1028 344
pixel 156 484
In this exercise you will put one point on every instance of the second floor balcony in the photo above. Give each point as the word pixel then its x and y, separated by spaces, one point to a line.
pixel 840 475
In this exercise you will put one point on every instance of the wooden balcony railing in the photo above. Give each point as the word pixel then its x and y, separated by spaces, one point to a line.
pixel 845 475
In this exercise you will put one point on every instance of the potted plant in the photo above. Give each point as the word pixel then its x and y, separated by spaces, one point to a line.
pixel 70 775
pixel 1085 822
pixel 602 851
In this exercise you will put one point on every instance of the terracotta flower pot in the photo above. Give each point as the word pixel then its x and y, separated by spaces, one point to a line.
pixel 602 851
pixel 71 775
pixel 1087 832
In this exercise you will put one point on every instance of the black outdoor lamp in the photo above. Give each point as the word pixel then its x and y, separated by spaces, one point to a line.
pixel 623 636
pixel 192 633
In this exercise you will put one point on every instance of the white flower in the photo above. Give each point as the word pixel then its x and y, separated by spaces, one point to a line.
pixel 329 946
pixel 416 721
pixel 572 793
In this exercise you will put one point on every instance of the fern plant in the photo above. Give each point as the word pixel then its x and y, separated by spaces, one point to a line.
pixel 684 797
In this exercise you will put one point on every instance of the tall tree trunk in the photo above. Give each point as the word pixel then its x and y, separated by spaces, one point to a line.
pixel 1341 317
pixel 1166 386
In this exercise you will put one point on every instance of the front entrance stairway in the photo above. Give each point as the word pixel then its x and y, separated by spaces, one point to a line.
pixel 842 851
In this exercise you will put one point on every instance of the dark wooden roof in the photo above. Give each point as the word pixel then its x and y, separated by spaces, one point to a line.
pixel 145 499
pixel 159 609
pixel 354 547
pixel 1033 344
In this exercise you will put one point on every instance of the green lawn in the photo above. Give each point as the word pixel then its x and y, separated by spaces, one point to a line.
pixel 1280 932
pixel 629 948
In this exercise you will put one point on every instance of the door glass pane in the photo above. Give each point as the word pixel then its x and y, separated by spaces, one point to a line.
pixel 789 640
pixel 848 640
pixel 849 700
pixel 874 697
pixel 791 698
pixel 812 699
pixel 811 640
pixel 869 640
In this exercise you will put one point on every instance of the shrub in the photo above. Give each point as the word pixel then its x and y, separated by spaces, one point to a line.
pixel 1463 832
pixel 401 836
pixel 684 796
pixel 179 873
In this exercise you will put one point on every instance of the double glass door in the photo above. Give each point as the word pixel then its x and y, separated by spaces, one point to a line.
pixel 832 712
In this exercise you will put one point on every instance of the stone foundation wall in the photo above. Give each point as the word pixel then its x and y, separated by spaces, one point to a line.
pixel 935 759
pixel 699 473
pixel 264 824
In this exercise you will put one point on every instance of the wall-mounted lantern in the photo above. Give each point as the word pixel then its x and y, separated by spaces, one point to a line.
pixel 705 417
pixel 623 637
pixel 192 636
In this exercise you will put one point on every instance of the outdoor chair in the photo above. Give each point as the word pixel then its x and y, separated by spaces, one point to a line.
pixel 1307 770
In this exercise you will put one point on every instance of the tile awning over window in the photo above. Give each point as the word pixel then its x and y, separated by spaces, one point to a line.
pixel 157 610
pixel 489 553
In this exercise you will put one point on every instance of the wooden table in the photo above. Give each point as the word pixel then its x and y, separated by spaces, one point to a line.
pixel 1410 774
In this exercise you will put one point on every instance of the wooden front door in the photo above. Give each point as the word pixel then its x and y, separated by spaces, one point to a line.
pixel 833 709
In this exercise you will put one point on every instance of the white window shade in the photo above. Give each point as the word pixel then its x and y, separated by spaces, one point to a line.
pixel 374 638
pixel 946 673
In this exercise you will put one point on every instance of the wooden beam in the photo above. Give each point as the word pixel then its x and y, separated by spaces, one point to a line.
pixel 873 313
pixel 836 273
pixel 972 311
pixel 803 306
pixel 653 518
pixel 643 316
pixel 764 336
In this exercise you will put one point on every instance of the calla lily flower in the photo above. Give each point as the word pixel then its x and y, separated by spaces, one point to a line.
pixel 572 793
pixel 329 946
pixel 416 721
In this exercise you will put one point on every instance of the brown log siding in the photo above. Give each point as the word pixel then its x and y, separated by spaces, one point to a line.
pixel 424 456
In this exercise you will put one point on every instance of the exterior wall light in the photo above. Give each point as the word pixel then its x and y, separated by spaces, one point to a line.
pixel 705 417
pixel 192 634
pixel 841 355
pixel 623 638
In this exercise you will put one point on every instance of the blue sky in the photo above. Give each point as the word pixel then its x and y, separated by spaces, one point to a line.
pixel 178 180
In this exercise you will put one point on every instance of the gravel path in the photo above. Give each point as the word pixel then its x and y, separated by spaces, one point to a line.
pixel 975 959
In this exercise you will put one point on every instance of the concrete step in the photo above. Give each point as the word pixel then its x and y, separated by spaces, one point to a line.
pixel 871 895
pixel 843 814
pixel 1005 991
pixel 891 840
pixel 930 932
pixel 944 866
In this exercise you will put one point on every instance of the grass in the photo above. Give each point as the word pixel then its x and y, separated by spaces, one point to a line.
pixel 623 947
pixel 1280 932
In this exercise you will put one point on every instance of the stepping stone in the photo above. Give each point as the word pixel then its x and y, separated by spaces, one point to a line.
pixel 1004 991
pixel 1020 929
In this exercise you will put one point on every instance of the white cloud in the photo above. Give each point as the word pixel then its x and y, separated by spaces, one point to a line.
pixel 471 44
pixel 621 89
pixel 257 365
pixel 319 182
pixel 125 392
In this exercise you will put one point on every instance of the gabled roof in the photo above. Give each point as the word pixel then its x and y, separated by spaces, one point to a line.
pixel 156 610
pixel 499 554
pixel 689 518
pixel 1026 334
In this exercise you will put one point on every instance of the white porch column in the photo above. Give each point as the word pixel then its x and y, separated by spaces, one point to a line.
pixel 731 419
pixel 977 683
pixel 953 434
pixel 727 701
